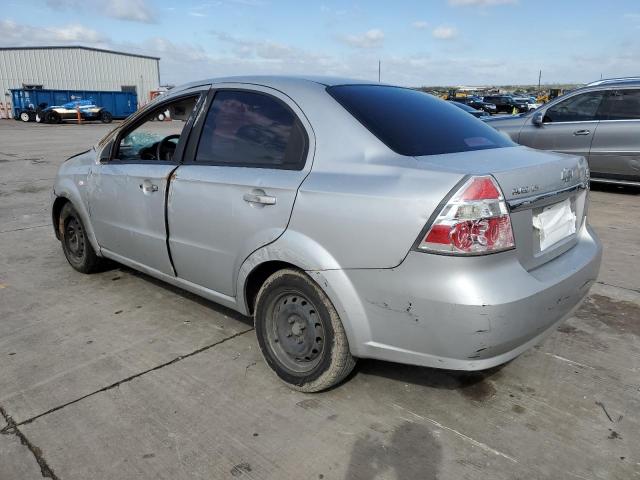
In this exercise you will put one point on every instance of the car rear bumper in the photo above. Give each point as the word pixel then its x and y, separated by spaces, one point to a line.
pixel 461 313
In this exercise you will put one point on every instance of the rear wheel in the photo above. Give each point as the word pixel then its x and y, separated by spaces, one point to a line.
pixel 25 117
pixel 300 334
pixel 53 117
pixel 75 242
pixel 105 117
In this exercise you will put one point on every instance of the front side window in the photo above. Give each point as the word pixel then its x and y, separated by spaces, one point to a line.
pixel 579 108
pixel 251 129
pixel 414 123
pixel 157 137
pixel 622 105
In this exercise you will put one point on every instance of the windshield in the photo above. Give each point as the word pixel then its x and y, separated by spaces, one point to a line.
pixel 415 123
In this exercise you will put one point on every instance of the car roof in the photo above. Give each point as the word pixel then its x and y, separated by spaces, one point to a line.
pixel 616 81
pixel 281 81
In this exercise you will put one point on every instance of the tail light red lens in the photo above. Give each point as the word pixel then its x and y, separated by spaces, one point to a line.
pixel 474 222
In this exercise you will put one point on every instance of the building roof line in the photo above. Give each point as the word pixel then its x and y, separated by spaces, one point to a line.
pixel 80 47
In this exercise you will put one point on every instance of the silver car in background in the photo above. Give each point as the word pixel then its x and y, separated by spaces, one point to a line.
pixel 348 219
pixel 600 122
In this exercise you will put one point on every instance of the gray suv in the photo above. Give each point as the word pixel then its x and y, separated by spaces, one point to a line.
pixel 600 121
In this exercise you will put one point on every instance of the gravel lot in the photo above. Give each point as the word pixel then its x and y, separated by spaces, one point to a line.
pixel 118 376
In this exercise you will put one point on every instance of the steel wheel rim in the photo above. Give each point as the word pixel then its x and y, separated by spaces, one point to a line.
pixel 295 333
pixel 74 238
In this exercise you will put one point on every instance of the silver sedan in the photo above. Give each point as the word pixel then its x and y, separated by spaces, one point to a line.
pixel 350 220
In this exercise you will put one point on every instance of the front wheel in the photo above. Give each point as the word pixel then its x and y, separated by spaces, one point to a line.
pixel 300 333
pixel 75 242
pixel 25 117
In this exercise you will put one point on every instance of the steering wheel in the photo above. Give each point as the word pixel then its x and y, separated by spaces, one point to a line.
pixel 163 151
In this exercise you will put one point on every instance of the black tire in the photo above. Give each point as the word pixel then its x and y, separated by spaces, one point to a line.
pixel 105 117
pixel 75 243
pixel 53 117
pixel 300 333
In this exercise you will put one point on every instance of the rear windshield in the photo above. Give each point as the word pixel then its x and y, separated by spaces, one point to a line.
pixel 414 123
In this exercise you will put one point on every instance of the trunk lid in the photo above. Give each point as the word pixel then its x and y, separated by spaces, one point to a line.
pixel 532 182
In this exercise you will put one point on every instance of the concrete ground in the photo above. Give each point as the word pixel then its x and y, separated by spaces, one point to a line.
pixel 118 376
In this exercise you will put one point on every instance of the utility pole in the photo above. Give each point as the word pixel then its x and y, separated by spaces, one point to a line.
pixel 539 78
pixel 379 66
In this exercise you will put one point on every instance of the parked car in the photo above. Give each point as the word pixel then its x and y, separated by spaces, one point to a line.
pixel 349 220
pixel 531 102
pixel 470 110
pixel 87 110
pixel 600 122
pixel 478 103
pixel 507 104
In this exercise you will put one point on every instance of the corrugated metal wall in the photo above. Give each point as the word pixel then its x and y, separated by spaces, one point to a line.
pixel 77 68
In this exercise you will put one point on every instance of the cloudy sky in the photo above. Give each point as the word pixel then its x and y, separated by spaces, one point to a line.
pixel 438 42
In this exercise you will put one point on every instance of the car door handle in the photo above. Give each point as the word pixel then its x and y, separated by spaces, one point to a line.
pixel 148 187
pixel 260 197
pixel 582 132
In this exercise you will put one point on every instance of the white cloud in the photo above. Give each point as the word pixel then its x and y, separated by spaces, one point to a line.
pixel 75 33
pixel 129 10
pixel 444 32
pixel 370 39
pixel 132 10
pixel 420 24
pixel 14 34
pixel 480 3
pixel 224 54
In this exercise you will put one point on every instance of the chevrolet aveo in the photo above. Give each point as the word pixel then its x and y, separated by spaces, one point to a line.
pixel 350 220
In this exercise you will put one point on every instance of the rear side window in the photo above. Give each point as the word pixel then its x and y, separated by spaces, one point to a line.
pixel 414 123
pixel 579 108
pixel 622 105
pixel 251 129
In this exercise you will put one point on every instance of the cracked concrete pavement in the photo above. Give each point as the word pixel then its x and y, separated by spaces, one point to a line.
pixel 117 375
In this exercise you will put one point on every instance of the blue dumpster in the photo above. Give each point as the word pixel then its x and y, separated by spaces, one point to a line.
pixel 119 104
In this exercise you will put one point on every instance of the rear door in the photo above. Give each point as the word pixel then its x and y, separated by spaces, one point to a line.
pixel 615 151
pixel 568 126
pixel 236 190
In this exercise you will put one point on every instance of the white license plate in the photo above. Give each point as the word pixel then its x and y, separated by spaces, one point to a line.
pixel 554 223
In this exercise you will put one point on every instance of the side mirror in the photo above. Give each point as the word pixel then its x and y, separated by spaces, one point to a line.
pixel 537 119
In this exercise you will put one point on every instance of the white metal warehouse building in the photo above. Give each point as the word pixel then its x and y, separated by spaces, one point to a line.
pixel 77 68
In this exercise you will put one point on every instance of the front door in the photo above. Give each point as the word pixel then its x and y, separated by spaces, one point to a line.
pixel 568 126
pixel 236 193
pixel 127 193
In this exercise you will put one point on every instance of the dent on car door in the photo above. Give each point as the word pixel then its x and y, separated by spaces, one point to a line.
pixel 127 192
pixel 568 126
pixel 237 192
pixel 615 151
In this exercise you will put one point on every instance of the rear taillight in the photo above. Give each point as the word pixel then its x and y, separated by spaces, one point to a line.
pixel 474 221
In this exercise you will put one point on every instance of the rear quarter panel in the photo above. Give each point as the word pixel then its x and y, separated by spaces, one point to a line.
pixel 615 149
